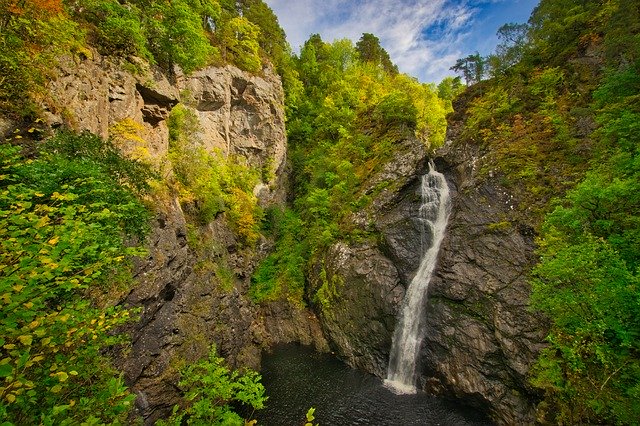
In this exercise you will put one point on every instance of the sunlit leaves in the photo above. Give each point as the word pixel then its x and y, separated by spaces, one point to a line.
pixel 240 41
pixel 62 223
pixel 588 282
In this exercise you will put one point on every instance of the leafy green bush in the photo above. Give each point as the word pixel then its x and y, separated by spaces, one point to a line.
pixel 62 225
pixel 211 389
pixel 588 277
pixel 281 274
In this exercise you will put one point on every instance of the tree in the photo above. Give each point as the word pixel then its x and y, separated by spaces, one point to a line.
pixel 449 88
pixel 240 43
pixel 509 51
pixel 471 67
pixel 370 50
pixel 272 38
pixel 177 34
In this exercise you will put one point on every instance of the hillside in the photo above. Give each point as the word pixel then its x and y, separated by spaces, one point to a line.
pixel 180 191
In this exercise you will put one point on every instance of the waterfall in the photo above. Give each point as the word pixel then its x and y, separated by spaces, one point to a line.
pixel 407 337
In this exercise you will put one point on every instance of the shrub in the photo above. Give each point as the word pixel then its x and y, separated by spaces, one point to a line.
pixel 62 225
pixel 210 389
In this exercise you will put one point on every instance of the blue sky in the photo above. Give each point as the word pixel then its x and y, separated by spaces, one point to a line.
pixel 424 37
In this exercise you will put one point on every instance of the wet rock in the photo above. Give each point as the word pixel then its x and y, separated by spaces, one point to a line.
pixel 481 339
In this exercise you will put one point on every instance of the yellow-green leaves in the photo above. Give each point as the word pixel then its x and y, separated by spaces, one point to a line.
pixel 57 239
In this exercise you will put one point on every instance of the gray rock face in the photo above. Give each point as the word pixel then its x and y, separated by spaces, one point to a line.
pixel 191 293
pixel 480 339
pixel 360 285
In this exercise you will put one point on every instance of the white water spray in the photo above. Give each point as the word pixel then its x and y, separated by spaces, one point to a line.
pixel 407 337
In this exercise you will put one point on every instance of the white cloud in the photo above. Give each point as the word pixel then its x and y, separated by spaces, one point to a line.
pixel 424 37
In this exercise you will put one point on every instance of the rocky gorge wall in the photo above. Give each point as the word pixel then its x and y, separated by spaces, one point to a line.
pixel 481 338
pixel 192 293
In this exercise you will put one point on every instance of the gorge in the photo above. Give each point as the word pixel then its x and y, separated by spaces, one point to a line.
pixel 181 195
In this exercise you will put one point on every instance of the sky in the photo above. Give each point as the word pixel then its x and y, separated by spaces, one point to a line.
pixel 423 37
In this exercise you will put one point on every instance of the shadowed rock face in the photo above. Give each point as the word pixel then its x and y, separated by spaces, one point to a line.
pixel 481 339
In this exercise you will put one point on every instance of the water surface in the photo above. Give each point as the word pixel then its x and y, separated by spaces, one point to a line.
pixel 297 377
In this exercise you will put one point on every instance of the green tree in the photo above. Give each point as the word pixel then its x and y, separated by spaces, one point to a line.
pixel 513 39
pixel 177 33
pixel 119 30
pixel 370 50
pixel 471 67
pixel 272 39
pixel 240 43
pixel 32 35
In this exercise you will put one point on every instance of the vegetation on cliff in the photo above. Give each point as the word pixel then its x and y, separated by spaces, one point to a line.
pixel 71 213
pixel 188 33
pixel 563 119
pixel 64 217
pixel 345 120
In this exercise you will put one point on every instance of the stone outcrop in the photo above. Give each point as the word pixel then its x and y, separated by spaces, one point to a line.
pixel 360 285
pixel 192 286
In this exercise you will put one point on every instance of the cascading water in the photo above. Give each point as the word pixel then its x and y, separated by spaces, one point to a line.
pixel 407 337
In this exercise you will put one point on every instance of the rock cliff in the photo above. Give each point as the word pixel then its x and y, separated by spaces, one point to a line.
pixel 192 285
pixel 481 339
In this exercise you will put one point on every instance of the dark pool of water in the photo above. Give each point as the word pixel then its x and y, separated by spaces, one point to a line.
pixel 297 377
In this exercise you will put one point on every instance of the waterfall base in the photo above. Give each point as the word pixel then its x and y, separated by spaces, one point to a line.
pixel 399 388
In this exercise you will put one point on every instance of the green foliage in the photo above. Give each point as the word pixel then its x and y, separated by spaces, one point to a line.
pixel 118 28
pixel 188 33
pixel 344 123
pixel 32 34
pixel 177 33
pixel 587 281
pixel 272 39
pixel 240 41
pixel 62 225
pixel 281 274
pixel 472 68
pixel 537 118
pixel 310 417
pixel 369 50
pixel 211 182
pixel 210 390
pixel 448 89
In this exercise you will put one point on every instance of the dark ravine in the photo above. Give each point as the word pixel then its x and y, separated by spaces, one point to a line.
pixel 481 339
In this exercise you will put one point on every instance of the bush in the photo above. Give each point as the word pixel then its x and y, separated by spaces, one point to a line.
pixel 210 390
pixel 62 225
